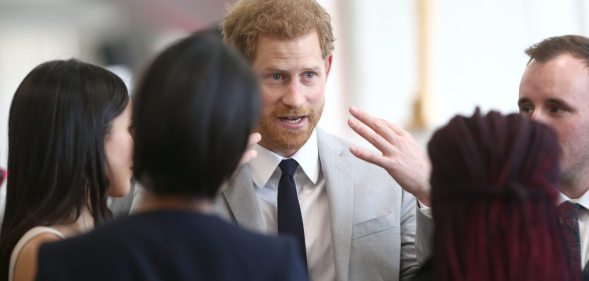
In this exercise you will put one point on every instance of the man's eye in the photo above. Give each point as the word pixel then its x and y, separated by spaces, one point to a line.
pixel 276 76
pixel 526 109
pixel 557 109
pixel 309 74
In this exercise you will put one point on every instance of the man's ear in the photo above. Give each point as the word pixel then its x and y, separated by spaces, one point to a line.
pixel 328 62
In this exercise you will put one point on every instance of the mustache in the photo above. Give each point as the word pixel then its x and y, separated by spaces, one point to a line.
pixel 291 112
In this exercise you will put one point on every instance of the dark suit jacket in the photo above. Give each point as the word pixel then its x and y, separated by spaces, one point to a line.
pixel 171 245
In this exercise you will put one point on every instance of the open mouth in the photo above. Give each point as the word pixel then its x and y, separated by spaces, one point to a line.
pixel 294 122
pixel 293 119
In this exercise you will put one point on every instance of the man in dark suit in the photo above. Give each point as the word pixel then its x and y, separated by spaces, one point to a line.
pixel 555 90
pixel 194 109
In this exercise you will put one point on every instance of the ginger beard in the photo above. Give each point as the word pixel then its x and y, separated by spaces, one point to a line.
pixel 278 137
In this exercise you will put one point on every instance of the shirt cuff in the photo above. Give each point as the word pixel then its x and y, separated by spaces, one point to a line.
pixel 425 210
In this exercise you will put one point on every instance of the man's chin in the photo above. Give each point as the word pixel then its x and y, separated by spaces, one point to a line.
pixel 285 141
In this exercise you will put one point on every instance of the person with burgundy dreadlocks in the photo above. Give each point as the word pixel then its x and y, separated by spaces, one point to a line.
pixel 494 190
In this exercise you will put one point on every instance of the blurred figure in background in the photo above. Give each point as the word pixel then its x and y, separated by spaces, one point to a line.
pixel 194 110
pixel 494 187
pixel 69 147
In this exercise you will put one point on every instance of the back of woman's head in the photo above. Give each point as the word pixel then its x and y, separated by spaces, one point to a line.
pixel 194 109
pixel 59 117
pixel 494 185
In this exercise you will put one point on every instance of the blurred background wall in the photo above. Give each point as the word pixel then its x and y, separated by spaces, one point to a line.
pixel 446 55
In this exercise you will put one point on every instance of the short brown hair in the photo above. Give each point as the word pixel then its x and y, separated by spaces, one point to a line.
pixel 283 19
pixel 549 48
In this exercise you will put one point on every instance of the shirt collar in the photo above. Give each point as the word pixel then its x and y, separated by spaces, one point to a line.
pixel 583 200
pixel 264 165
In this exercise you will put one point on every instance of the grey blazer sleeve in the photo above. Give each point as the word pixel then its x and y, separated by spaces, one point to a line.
pixel 409 259
pixel 424 240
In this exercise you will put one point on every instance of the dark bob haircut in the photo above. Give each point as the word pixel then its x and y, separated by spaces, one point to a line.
pixel 194 109
pixel 59 117
pixel 494 188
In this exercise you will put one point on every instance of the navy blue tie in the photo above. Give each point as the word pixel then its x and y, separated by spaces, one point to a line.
pixel 290 220
pixel 569 216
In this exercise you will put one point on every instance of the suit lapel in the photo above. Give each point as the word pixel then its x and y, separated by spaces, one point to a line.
pixel 340 194
pixel 241 200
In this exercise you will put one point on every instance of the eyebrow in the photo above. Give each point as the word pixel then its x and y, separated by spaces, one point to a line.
pixel 556 100
pixel 523 100
pixel 314 68
pixel 560 102
pixel 278 68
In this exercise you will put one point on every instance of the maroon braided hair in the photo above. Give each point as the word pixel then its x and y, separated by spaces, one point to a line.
pixel 494 185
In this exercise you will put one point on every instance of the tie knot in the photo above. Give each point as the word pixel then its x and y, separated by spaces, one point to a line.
pixel 569 210
pixel 288 166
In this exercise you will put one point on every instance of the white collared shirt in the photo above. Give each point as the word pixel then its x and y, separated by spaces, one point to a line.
pixel 310 184
pixel 583 223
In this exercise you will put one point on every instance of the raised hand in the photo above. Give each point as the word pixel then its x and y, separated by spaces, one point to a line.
pixel 400 155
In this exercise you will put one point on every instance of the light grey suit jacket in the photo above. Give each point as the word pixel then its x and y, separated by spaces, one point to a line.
pixel 373 220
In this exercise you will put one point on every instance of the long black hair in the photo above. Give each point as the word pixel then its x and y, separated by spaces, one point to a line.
pixel 194 109
pixel 59 117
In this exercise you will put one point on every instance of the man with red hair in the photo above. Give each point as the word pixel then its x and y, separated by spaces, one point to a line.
pixel 351 219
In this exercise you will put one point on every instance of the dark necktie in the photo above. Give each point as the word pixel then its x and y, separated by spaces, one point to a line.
pixel 290 220
pixel 569 215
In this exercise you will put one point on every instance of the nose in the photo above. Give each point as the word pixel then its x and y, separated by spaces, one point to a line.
pixel 293 96
pixel 538 116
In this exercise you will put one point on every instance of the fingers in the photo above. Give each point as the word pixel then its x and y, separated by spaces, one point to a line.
pixel 250 153
pixel 380 133
pixel 248 156
pixel 382 127
pixel 253 139
pixel 367 156
pixel 395 128
pixel 368 134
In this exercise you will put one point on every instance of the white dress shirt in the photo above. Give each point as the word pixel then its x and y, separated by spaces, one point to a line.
pixel 310 184
pixel 583 223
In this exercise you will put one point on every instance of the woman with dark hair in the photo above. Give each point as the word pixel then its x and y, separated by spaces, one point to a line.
pixel 494 188
pixel 69 147
pixel 194 109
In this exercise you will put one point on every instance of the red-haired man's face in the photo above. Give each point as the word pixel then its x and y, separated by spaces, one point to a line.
pixel 293 75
